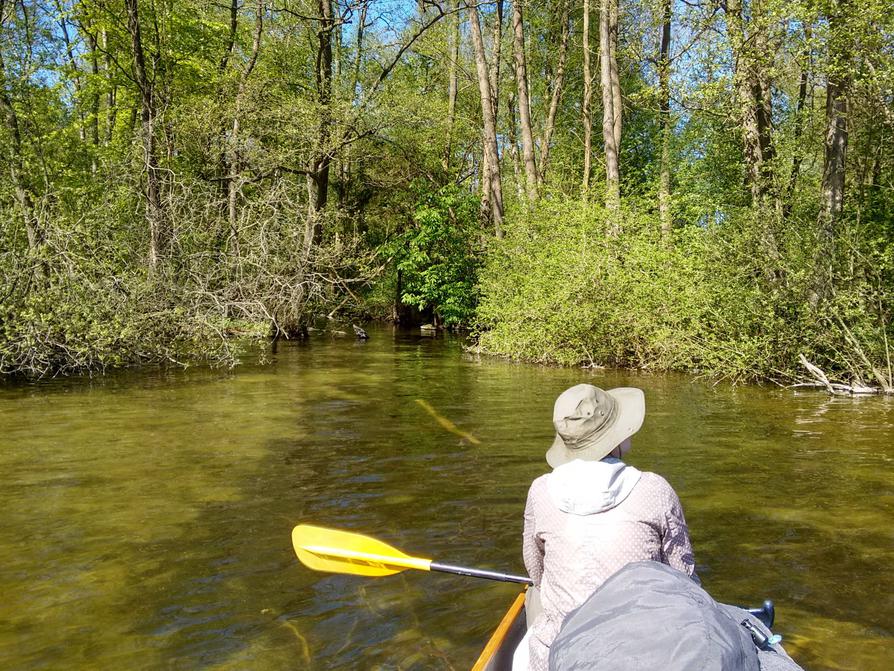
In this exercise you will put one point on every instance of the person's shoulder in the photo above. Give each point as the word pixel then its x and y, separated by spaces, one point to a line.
pixel 540 481
pixel 656 483
pixel 538 485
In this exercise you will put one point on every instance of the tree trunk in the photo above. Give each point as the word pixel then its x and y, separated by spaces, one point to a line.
pixel 765 117
pixel 799 128
pixel 452 85
pixel 617 105
pixel 513 149
pixel 344 163
pixel 558 83
pixel 838 83
pixel 398 296
pixel 94 96
pixel 587 101
pixel 524 106
pixel 751 85
pixel 495 57
pixel 753 97
pixel 159 236
pixel 358 57
pixel 318 170
pixel 112 95
pixel 664 186
pixel 491 158
pixel 75 72
pixel 231 38
pixel 95 99
pixel 23 192
pixel 232 165
pixel 493 74
pixel 234 160
pixel 609 124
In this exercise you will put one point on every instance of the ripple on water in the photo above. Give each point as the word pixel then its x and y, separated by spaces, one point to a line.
pixel 147 516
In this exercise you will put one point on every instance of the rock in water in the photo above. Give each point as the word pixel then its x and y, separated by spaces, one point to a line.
pixel 360 333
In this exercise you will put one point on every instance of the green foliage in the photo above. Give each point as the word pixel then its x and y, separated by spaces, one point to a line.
pixel 242 143
pixel 438 255
pixel 562 288
pixel 559 289
pixel 92 319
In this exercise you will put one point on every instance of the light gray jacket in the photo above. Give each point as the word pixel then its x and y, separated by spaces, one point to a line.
pixel 585 521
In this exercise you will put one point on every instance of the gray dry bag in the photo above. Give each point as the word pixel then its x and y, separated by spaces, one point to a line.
pixel 650 617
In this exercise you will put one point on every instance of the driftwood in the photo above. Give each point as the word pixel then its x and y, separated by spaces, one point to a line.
pixel 886 382
pixel 835 388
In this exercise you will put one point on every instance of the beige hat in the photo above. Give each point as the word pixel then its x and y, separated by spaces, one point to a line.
pixel 591 422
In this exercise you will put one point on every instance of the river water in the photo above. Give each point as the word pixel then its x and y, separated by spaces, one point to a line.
pixel 147 515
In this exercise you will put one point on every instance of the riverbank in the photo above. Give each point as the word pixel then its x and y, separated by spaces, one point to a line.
pixel 573 284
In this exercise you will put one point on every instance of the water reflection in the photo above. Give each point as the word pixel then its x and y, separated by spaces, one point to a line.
pixel 147 516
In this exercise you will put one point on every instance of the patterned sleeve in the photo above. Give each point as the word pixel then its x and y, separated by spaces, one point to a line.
pixel 532 547
pixel 675 543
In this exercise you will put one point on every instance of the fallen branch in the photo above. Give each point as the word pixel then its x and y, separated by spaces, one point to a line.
pixel 834 388
pixel 883 381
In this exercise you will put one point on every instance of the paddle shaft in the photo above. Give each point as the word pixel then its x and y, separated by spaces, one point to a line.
pixel 479 573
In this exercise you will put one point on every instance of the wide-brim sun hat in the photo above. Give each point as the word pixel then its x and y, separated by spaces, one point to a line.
pixel 590 422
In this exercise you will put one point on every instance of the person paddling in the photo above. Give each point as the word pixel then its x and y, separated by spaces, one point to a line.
pixel 593 514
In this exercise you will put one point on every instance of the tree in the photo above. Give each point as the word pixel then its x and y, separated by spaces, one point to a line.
pixel 664 65
pixel 611 99
pixel 557 83
pixel 750 48
pixel 492 184
pixel 452 86
pixel 234 177
pixel 838 84
pixel 524 106
pixel 317 170
pixel 800 112
pixel 23 191
pixel 587 100
pixel 159 232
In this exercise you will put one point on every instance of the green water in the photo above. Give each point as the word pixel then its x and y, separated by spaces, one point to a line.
pixel 146 516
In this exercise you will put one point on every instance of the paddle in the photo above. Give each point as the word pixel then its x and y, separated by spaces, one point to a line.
pixel 336 551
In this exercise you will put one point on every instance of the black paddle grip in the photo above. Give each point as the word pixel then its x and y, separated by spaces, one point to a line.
pixel 479 573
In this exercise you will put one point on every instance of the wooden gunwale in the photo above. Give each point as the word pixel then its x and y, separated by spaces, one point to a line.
pixel 500 633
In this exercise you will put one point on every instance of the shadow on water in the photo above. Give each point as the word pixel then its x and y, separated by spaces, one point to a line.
pixel 148 519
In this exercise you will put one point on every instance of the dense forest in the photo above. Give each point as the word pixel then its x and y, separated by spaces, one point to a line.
pixel 699 185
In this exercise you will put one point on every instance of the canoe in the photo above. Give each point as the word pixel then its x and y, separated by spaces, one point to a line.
pixel 497 654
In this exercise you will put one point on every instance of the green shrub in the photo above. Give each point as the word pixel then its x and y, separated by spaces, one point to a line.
pixel 438 255
pixel 81 324
pixel 565 287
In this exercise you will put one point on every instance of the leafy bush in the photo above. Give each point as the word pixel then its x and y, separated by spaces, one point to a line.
pixel 85 301
pixel 438 256
pixel 77 325
pixel 564 288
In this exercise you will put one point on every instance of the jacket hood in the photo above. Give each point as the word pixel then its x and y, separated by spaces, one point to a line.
pixel 587 487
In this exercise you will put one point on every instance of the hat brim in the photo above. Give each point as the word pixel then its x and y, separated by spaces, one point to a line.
pixel 631 412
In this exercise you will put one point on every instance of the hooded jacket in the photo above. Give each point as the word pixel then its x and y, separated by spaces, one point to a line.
pixel 585 521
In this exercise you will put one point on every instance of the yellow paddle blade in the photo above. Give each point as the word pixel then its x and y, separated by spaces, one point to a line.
pixel 336 551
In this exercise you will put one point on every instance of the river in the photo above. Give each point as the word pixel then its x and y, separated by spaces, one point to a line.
pixel 147 515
